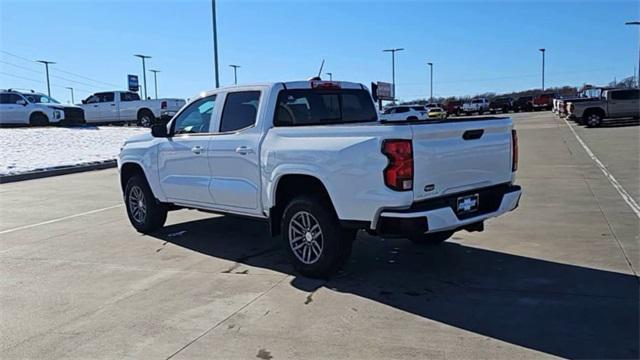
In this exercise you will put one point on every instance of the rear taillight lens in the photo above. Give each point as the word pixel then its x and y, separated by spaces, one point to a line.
pixel 163 105
pixel 514 151
pixel 398 175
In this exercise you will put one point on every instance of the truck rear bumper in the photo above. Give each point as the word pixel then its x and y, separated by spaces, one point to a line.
pixel 441 214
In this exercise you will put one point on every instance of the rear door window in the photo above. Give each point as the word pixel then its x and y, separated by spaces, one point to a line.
pixel 297 107
pixel 625 95
pixel 240 110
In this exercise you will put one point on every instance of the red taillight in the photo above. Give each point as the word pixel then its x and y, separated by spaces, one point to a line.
pixel 515 150
pixel 398 175
pixel 163 105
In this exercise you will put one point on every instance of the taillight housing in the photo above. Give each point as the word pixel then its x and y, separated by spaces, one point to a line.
pixel 514 150
pixel 163 105
pixel 398 175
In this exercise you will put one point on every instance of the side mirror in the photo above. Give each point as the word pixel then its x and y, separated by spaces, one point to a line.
pixel 159 130
pixel 22 102
pixel 84 101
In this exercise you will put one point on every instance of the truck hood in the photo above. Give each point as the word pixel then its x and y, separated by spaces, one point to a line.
pixel 139 138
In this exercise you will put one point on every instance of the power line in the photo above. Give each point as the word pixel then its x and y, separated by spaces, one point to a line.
pixel 62 70
pixel 43 83
pixel 55 76
pixel 21 67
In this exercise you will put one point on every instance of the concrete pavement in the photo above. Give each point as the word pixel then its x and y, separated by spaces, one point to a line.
pixel 557 277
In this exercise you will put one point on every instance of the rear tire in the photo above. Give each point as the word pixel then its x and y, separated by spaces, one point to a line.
pixel 313 239
pixel 38 119
pixel 432 238
pixel 592 120
pixel 144 212
pixel 412 118
pixel 145 118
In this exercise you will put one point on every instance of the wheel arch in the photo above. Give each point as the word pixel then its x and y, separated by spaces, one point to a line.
pixel 143 110
pixel 594 110
pixel 129 169
pixel 288 186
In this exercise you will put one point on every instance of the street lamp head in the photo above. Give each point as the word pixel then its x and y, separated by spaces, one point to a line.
pixel 45 62
pixel 430 64
pixel 142 56
pixel 632 23
pixel 393 50
pixel 154 71
pixel 542 49
pixel 234 66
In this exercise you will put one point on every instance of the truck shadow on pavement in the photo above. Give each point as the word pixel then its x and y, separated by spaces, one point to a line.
pixel 559 309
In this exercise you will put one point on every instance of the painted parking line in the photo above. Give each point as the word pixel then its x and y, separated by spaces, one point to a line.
pixel 58 219
pixel 614 182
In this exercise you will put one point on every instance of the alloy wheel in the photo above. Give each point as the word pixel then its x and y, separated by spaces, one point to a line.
pixel 305 237
pixel 137 204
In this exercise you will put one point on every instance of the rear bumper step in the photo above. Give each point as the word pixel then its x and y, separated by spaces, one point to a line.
pixel 440 214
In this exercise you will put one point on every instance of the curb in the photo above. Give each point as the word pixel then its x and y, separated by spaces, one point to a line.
pixel 61 170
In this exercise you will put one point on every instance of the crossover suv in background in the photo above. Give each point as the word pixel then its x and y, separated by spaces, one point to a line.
pixel 503 104
pixel 36 109
pixel 404 112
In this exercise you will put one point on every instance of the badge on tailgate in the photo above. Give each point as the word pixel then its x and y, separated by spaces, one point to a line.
pixel 468 203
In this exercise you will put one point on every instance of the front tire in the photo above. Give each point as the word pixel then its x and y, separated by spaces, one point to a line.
pixel 432 238
pixel 313 239
pixel 144 212
pixel 38 119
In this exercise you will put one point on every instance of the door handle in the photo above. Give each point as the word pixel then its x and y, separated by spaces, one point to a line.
pixel 196 150
pixel 243 150
pixel 113 104
pixel 473 134
pixel 95 105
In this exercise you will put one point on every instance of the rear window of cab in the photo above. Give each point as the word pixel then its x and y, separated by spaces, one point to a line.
pixel 302 107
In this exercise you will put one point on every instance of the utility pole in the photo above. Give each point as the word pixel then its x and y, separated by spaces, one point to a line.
pixel 543 51
pixel 215 42
pixel 144 72
pixel 431 82
pixel 46 66
pixel 235 73
pixel 330 76
pixel 155 80
pixel 638 77
pixel 393 69
pixel 73 101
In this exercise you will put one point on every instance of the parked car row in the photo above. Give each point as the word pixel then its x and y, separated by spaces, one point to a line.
pixel 503 104
pixel 413 113
pixel 37 109
pixel 596 105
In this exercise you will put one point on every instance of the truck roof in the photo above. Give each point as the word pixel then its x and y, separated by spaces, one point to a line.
pixel 302 84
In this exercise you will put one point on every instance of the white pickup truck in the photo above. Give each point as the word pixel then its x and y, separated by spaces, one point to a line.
pixel 126 106
pixel 480 105
pixel 312 158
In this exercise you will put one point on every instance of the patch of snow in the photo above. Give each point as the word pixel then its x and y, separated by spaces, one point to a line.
pixel 29 149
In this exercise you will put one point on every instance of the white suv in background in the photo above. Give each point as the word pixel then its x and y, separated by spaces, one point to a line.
pixel 405 112
pixel 32 108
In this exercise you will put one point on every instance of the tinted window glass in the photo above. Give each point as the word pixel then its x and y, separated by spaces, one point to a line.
pixel 418 108
pixel 320 107
pixel 9 98
pixel 127 96
pixel 240 110
pixel 104 97
pixel 401 110
pixel 625 95
pixel 196 117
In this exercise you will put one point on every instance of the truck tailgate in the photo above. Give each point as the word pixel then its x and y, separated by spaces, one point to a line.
pixel 458 155
pixel 174 104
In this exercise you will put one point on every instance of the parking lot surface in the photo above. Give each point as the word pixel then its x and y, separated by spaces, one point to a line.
pixel 557 277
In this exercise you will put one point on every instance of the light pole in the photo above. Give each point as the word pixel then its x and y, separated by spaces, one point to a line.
pixel 215 42
pixel 144 72
pixel 155 80
pixel 235 73
pixel 330 76
pixel 636 23
pixel 431 81
pixel 542 50
pixel 73 101
pixel 393 69
pixel 46 66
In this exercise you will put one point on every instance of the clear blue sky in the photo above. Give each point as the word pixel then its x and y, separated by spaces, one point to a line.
pixel 476 46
